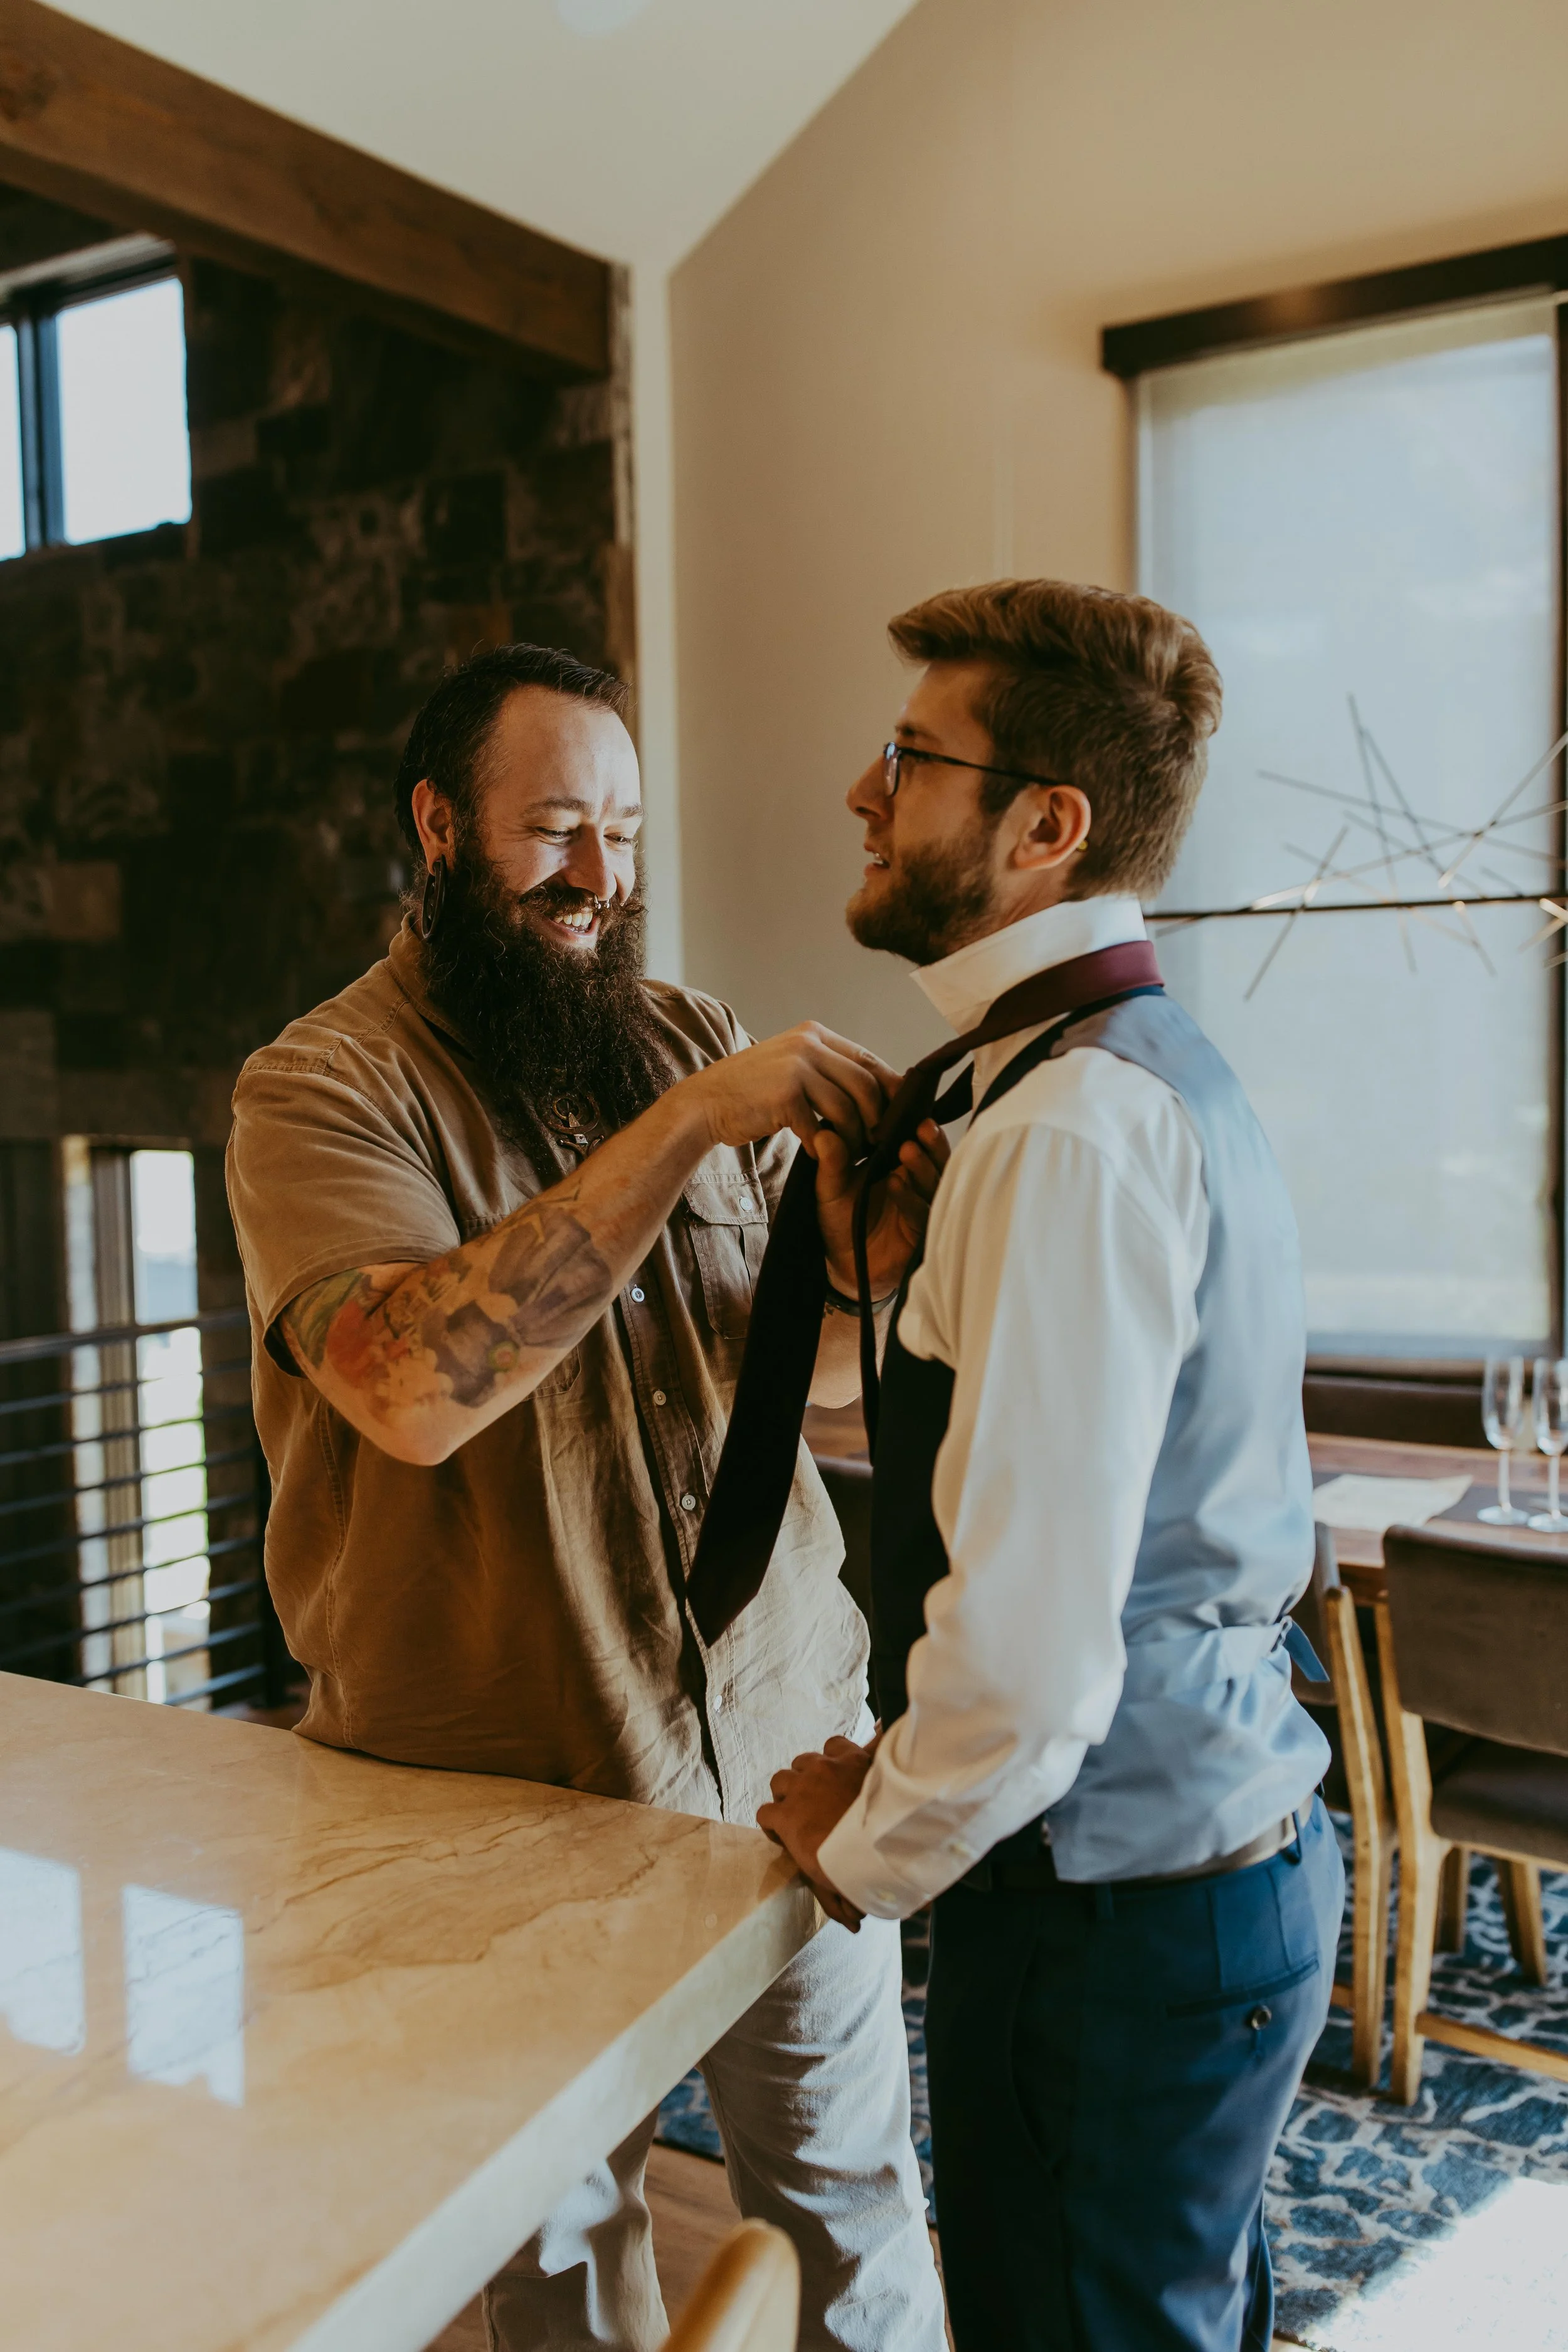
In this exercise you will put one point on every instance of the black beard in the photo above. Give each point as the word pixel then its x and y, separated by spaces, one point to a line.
pixel 541 1019
pixel 939 901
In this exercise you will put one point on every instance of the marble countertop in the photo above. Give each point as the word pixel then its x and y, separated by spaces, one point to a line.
pixel 295 2047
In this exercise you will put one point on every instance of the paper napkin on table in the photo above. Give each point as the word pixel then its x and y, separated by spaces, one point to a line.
pixel 1375 1505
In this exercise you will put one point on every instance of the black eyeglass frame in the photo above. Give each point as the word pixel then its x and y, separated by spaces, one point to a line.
pixel 894 752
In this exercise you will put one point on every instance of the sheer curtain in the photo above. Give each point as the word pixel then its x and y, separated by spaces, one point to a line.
pixel 1363 528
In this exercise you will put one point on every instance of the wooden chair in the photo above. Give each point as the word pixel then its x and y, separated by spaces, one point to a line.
pixel 1472 1639
pixel 748 2298
pixel 1326 1614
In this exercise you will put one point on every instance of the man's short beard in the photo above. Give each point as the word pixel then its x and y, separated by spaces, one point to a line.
pixel 544 1021
pixel 938 901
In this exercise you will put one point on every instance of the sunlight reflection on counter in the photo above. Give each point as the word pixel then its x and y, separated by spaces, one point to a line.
pixel 43 1991
pixel 184 1992
pixel 185 1975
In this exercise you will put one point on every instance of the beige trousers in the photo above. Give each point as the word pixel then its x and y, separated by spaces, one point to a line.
pixel 811 2092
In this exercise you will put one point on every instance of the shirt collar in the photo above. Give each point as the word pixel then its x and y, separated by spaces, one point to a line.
pixel 407 967
pixel 966 986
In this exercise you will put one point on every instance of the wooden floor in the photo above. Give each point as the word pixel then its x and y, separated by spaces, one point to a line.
pixel 690 2200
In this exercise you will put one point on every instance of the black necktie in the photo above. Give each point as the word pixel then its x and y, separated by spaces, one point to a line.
pixel 756 1468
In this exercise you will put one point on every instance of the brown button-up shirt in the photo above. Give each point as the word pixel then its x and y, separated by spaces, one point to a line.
pixel 520 1609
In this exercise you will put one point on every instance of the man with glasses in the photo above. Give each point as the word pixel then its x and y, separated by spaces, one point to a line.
pixel 1091 1514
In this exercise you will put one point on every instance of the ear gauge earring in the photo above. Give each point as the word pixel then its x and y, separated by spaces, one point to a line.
pixel 432 897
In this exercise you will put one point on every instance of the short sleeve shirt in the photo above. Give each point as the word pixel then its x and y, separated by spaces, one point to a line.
pixel 520 1607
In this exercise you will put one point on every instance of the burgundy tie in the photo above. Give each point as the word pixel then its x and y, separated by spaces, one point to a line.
pixel 756 1468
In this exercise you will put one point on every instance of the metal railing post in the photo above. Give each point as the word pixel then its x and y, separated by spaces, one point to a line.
pixel 83 1523
pixel 277 1665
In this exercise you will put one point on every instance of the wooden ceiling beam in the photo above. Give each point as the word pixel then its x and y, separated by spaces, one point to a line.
pixel 89 121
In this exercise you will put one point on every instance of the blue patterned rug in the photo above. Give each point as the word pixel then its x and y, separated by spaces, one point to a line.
pixel 1392 2229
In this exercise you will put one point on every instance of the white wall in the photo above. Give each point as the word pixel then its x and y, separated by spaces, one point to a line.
pixel 886 371
pixel 623 126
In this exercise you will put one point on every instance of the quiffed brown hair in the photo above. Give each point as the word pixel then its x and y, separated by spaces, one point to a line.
pixel 1109 692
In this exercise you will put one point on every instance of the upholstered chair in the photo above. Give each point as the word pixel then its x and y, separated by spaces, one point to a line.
pixel 1473 1641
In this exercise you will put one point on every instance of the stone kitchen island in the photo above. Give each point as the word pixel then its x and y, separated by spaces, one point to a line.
pixel 295 2047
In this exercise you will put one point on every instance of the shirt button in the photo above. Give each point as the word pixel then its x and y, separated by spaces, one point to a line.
pixel 747 1201
pixel 688 1502
pixel 638 1295
pixel 659 1397
pixel 718 1702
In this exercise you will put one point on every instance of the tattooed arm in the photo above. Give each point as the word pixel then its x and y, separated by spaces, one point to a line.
pixel 421 1357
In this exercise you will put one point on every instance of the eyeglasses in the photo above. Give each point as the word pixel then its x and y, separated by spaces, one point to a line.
pixel 895 755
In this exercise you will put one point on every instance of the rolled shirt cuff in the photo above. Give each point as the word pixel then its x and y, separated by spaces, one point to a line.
pixel 848 1859
pixel 898 1848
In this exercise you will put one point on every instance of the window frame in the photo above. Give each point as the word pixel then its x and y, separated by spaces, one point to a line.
pixel 33 305
pixel 1433 1400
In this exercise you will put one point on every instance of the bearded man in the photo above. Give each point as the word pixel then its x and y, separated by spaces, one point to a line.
pixel 500 1205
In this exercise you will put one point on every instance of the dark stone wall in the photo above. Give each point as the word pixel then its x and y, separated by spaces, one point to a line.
pixel 199 726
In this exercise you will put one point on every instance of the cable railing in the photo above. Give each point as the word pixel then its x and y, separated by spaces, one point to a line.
pixel 133 1497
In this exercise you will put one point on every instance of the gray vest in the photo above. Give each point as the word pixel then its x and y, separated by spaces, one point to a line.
pixel 1208 1745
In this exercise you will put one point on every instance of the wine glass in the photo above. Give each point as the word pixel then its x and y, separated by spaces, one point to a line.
pixel 1552 1436
pixel 1503 1417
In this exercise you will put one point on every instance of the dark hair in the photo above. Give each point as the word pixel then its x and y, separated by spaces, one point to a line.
pixel 446 742
pixel 1109 692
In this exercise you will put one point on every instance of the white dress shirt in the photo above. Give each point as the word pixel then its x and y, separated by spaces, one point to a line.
pixel 1059 1283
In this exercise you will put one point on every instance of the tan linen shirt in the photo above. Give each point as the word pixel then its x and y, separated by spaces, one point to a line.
pixel 519 1608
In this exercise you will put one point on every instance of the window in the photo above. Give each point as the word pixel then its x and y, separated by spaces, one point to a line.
pixel 140 1426
pixel 13 496
pixel 1364 525
pixel 94 440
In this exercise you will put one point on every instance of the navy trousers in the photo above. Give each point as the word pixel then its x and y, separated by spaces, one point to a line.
pixel 1109 2072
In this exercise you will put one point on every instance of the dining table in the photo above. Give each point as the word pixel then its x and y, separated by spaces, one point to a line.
pixel 297 2047
pixel 838 1434
pixel 1386 1757
pixel 1360 1550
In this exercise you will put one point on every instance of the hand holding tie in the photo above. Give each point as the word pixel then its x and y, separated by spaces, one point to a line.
pixel 750 1492
pixel 897 1212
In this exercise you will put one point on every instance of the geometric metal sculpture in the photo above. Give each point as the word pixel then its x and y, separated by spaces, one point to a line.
pixel 1458 859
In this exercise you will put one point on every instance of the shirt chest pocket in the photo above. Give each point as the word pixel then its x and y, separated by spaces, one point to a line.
pixel 563 1376
pixel 727 1223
